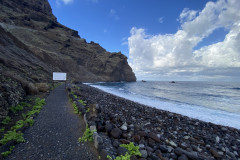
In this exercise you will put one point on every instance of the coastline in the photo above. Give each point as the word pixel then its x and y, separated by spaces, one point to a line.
pixel 161 134
pixel 215 115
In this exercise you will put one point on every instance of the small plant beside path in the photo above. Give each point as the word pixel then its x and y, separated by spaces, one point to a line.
pixel 87 135
pixel 14 134
pixel 132 150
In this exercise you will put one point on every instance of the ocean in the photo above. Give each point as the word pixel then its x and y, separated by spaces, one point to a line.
pixel 216 102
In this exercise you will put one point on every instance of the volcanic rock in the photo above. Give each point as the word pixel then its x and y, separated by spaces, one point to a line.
pixel 122 151
pixel 116 133
pixel 33 44
pixel 144 153
pixel 154 137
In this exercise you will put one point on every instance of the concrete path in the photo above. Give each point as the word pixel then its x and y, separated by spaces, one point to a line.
pixel 55 133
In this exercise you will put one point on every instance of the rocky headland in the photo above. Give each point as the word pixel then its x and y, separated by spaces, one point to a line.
pixel 160 135
pixel 33 44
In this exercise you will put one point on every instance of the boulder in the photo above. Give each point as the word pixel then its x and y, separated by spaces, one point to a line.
pixel 116 133
pixel 124 127
pixel 108 127
pixel 97 140
pixel 121 151
pixel 154 137
pixel 144 153
pixel 189 154
pixel 214 153
pixel 183 157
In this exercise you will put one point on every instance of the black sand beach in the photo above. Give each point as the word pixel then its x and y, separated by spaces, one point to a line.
pixel 159 134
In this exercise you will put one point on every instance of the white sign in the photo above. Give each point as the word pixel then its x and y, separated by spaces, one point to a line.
pixel 59 76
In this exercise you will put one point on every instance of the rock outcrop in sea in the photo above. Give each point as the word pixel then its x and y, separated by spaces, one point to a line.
pixel 33 44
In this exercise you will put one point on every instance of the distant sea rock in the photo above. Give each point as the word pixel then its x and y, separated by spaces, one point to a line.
pixel 33 44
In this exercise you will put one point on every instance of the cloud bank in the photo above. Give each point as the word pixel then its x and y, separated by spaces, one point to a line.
pixel 166 56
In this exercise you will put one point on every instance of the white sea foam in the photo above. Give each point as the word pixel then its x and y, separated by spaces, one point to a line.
pixel 193 111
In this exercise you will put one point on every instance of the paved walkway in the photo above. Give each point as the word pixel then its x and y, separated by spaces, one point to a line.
pixel 55 133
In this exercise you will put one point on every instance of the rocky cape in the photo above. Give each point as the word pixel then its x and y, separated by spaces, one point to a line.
pixel 33 45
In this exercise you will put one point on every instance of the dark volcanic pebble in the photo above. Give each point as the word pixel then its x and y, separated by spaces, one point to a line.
pixel 116 133
pixel 161 134
pixel 122 151
pixel 154 137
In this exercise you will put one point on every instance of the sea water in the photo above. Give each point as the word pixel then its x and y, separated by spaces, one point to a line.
pixel 216 102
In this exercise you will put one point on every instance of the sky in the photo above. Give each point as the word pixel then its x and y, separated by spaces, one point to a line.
pixel 194 40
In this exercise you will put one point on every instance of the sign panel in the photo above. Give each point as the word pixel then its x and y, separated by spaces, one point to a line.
pixel 59 76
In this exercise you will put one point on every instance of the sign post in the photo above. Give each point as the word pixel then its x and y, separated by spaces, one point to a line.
pixel 59 76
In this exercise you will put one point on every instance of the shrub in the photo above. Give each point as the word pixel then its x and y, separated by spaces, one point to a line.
pixel 2 129
pixel 16 108
pixel 42 87
pixel 19 124
pixel 75 108
pixel 32 112
pixel 87 135
pixel 127 156
pixel 82 102
pixel 40 102
pixel 75 96
pixel 25 104
pixel 12 135
pixel 30 121
pixel 5 154
pixel 36 108
pixel 132 150
pixel 88 110
pixel 7 120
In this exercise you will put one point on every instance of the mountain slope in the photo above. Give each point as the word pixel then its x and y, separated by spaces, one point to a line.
pixel 33 45
pixel 33 24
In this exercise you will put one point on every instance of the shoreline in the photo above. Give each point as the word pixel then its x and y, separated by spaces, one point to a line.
pixel 162 134
pixel 206 114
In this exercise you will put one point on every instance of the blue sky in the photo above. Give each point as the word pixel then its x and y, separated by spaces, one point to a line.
pixel 163 39
pixel 109 22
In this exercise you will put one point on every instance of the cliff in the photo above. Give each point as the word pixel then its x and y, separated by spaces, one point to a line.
pixel 33 45
pixel 32 23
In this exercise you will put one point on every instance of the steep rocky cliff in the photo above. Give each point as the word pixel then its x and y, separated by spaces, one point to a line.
pixel 33 26
pixel 33 45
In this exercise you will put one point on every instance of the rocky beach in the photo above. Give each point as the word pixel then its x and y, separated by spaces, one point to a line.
pixel 34 44
pixel 159 134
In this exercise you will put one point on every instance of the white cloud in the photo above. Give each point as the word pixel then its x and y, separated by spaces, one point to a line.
pixel 187 15
pixel 172 55
pixel 160 19
pixel 58 4
pixel 66 2
pixel 124 41
pixel 113 13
